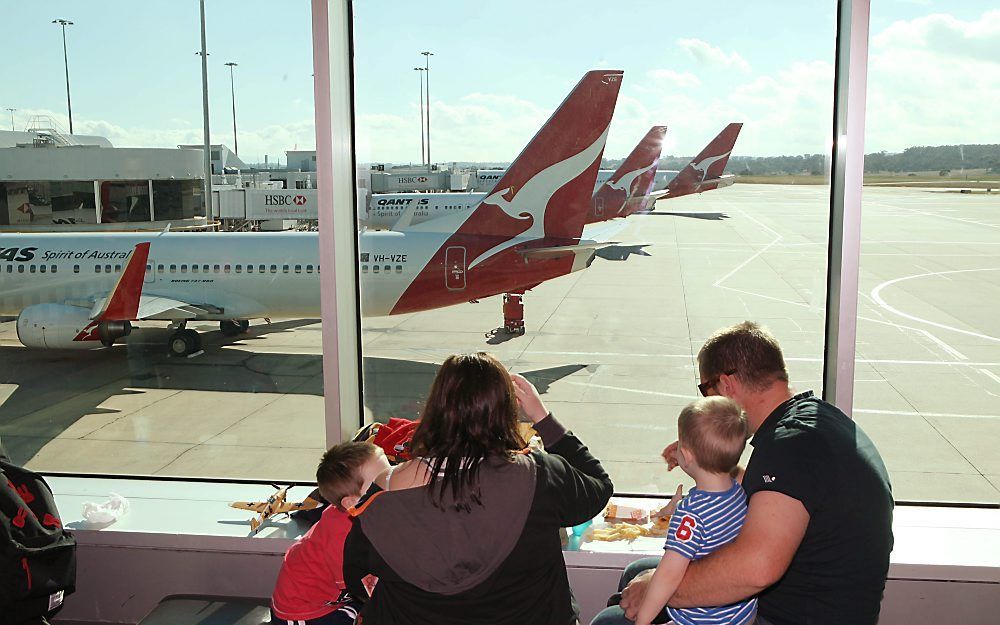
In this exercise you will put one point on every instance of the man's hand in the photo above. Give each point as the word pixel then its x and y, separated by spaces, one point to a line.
pixel 633 594
pixel 670 455
pixel 528 398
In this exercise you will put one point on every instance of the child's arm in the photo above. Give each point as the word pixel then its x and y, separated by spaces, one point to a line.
pixel 665 581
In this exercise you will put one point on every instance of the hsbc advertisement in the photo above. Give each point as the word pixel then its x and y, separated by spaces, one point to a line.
pixel 282 203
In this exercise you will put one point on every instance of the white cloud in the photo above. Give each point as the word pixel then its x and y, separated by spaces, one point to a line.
pixel 933 81
pixel 670 77
pixel 707 54
pixel 479 126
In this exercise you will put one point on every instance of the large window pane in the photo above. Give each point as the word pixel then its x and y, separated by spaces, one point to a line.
pixel 612 346
pixel 928 333
pixel 245 401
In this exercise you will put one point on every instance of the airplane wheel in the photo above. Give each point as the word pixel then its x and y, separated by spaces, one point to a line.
pixel 231 327
pixel 244 325
pixel 183 343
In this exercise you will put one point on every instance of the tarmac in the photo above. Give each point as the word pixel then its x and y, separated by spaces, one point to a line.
pixel 612 348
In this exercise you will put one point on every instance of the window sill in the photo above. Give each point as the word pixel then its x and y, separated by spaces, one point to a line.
pixel 931 543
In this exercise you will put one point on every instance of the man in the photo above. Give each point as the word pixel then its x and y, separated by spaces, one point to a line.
pixel 815 544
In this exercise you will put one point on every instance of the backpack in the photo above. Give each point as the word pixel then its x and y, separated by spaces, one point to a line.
pixel 37 556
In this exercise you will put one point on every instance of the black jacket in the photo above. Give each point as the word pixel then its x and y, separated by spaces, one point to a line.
pixel 500 563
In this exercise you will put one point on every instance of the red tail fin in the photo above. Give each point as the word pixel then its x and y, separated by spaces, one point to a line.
pixel 547 189
pixel 705 170
pixel 632 181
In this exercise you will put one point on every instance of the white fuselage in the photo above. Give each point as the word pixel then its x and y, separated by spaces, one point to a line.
pixel 245 275
pixel 386 209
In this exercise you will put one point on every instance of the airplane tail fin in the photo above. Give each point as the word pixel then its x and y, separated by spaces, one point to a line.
pixel 547 189
pixel 622 194
pixel 704 172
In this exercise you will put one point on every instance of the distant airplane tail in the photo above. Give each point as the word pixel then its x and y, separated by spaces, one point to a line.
pixel 704 172
pixel 622 194
pixel 546 191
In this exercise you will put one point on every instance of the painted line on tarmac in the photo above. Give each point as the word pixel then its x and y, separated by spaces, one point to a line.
pixel 867 361
pixel 947 348
pixel 910 413
pixel 990 375
pixel 690 397
pixel 877 297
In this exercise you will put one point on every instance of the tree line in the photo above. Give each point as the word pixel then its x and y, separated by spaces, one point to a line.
pixel 941 158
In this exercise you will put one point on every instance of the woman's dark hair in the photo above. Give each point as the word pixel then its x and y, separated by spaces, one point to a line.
pixel 470 415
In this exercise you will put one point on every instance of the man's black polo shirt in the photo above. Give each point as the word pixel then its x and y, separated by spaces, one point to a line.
pixel 809 450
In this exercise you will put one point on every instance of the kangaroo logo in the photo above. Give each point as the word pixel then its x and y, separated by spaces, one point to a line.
pixel 706 163
pixel 530 201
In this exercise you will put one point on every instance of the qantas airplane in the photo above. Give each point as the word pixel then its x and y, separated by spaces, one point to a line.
pixel 618 191
pixel 84 290
pixel 637 178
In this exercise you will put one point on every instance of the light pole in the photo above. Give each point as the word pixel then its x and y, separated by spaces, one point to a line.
pixel 427 71
pixel 11 118
pixel 232 87
pixel 69 103
pixel 207 162
pixel 421 70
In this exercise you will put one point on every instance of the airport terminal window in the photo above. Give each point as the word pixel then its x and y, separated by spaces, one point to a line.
pixel 613 345
pixel 233 407
pixel 928 338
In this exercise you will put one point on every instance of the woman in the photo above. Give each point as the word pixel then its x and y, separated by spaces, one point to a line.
pixel 468 531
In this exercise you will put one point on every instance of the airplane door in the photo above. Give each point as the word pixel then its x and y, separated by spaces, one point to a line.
pixel 454 268
pixel 599 206
pixel 150 275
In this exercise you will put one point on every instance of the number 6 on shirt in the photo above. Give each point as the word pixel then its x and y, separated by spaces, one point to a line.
pixel 684 530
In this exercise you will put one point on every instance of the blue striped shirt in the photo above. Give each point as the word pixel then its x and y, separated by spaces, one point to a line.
pixel 703 522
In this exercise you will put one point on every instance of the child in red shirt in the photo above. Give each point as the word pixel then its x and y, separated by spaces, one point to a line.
pixel 310 588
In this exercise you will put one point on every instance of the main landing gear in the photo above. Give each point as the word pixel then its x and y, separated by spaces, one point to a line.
pixel 182 341
pixel 234 327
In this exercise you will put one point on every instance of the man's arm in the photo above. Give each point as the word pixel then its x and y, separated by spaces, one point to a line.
pixel 662 585
pixel 759 556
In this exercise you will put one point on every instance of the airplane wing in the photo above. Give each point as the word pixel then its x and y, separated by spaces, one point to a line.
pixel 159 307
pixel 253 506
pixel 128 302
pixel 307 504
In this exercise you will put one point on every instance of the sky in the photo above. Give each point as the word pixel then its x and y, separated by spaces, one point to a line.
pixel 500 68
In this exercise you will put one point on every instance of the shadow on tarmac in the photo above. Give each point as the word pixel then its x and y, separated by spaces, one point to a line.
pixel 53 389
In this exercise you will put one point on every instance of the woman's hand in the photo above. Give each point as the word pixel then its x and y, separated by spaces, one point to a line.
pixel 528 398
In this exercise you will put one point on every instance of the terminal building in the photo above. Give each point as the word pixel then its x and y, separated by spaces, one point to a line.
pixel 50 180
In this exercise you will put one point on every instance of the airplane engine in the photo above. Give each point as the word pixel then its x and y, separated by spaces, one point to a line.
pixel 57 326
